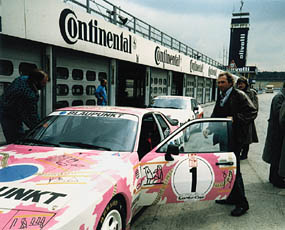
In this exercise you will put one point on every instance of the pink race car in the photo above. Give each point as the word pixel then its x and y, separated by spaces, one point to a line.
pixel 94 167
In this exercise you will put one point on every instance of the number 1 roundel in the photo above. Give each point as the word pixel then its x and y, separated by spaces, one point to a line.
pixel 192 178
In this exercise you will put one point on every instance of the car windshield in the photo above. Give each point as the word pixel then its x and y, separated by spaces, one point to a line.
pixel 173 103
pixel 88 130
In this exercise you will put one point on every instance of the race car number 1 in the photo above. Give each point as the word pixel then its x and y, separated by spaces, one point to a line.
pixel 192 178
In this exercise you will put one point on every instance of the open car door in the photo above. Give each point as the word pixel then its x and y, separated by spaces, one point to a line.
pixel 203 168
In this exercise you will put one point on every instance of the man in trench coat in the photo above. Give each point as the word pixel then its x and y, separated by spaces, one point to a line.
pixel 235 104
pixel 273 144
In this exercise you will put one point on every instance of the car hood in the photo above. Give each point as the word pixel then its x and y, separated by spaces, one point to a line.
pixel 44 182
pixel 182 115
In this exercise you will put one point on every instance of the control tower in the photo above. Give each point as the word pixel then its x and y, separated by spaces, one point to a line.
pixel 238 39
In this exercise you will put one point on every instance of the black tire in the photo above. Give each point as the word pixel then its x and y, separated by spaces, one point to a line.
pixel 113 217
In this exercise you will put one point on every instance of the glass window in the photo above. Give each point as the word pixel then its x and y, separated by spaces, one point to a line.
pixel 164 82
pixel 163 125
pixel 90 90
pixel 3 87
pixel 166 102
pixel 61 104
pixel 6 67
pixel 62 90
pixel 117 131
pixel 130 87
pixel 90 75
pixel 149 137
pixel 160 90
pixel 25 68
pixel 90 102
pixel 77 74
pixel 205 137
pixel 160 81
pixel 155 90
pixel 77 102
pixel 102 75
pixel 155 80
pixel 77 90
pixel 62 73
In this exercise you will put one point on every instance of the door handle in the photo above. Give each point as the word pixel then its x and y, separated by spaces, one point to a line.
pixel 225 163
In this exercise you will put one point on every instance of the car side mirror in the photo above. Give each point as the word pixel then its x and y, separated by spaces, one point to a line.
pixel 196 108
pixel 175 122
pixel 171 150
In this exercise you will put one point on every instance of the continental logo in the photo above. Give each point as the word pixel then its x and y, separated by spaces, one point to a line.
pixel 195 67
pixel 164 57
pixel 212 72
pixel 72 29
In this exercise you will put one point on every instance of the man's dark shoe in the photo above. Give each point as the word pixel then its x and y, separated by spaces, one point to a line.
pixel 224 202
pixel 239 211
pixel 243 157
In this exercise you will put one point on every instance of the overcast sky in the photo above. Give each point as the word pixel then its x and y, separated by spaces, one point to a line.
pixel 205 26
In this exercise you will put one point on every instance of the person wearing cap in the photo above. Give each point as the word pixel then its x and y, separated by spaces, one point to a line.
pixel 19 104
pixel 243 85
pixel 273 152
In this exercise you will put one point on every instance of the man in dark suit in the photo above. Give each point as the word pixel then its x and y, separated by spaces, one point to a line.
pixel 235 104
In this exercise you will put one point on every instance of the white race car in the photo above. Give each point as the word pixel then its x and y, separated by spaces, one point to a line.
pixel 179 108
pixel 92 167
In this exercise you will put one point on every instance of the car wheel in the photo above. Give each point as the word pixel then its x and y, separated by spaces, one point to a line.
pixel 113 216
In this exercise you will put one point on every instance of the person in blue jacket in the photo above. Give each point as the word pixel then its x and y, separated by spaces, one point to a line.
pixel 19 104
pixel 101 93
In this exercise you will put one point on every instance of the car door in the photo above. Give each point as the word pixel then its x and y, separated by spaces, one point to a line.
pixel 203 169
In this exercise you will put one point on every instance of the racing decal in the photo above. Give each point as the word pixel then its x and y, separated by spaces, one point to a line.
pixel 87 114
pixel 4 160
pixel 17 172
pixel 32 220
pixel 95 114
pixel 162 190
pixel 228 180
pixel 29 194
pixel 115 190
pixel 153 177
pixel 192 188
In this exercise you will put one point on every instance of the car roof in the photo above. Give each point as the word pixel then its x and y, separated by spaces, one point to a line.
pixel 173 97
pixel 116 109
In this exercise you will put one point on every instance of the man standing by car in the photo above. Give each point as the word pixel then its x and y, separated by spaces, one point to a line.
pixel 19 104
pixel 273 144
pixel 101 94
pixel 233 103
pixel 243 85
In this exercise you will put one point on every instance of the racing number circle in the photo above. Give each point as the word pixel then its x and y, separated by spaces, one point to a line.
pixel 192 182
